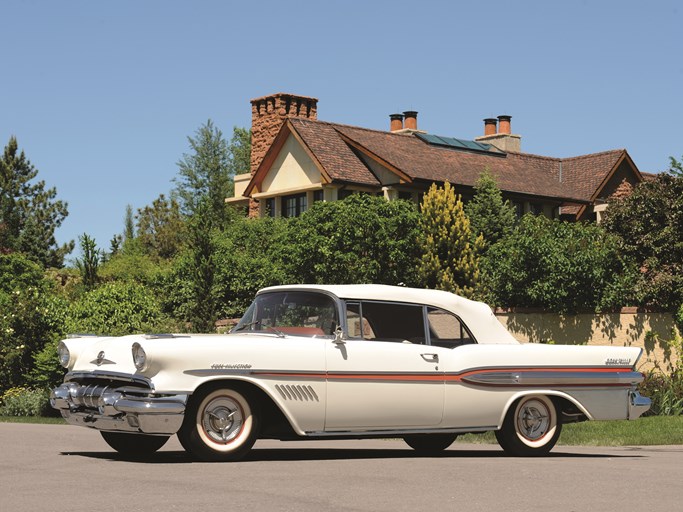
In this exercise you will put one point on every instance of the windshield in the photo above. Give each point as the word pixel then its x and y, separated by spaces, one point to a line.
pixel 294 313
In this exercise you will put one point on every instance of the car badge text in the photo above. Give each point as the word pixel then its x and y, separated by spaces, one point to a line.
pixel 223 366
pixel 617 361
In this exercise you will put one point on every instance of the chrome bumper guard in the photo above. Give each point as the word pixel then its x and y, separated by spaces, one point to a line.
pixel 126 409
pixel 637 404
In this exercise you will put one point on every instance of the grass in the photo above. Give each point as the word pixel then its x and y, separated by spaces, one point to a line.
pixel 32 419
pixel 653 430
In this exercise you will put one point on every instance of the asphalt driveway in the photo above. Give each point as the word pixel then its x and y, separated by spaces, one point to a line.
pixel 57 467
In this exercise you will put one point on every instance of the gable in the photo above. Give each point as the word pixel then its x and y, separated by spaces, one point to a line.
pixel 292 168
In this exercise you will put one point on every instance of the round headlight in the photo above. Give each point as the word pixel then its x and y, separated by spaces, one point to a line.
pixel 63 354
pixel 139 357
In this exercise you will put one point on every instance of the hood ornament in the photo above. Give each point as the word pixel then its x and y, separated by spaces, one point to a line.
pixel 101 359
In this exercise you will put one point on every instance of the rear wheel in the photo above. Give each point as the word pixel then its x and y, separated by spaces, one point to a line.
pixel 221 424
pixel 133 445
pixel 531 428
pixel 430 444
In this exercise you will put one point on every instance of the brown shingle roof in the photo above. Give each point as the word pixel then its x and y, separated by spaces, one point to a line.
pixel 336 157
pixel 587 172
pixel 568 179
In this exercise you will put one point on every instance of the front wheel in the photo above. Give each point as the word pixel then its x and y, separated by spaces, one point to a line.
pixel 430 444
pixel 220 424
pixel 132 445
pixel 531 428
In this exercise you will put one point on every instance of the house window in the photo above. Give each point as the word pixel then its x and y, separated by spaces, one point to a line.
pixel 344 193
pixel 519 209
pixel 536 208
pixel 317 195
pixel 270 207
pixel 294 205
pixel 408 196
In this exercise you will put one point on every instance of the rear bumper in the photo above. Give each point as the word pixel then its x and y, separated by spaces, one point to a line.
pixel 637 405
pixel 124 409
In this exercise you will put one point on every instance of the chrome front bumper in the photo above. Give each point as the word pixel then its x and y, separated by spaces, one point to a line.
pixel 637 404
pixel 119 408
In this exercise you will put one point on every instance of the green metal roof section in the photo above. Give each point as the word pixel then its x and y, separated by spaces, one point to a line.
pixel 453 143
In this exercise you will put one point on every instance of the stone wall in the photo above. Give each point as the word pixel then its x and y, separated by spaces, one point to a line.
pixel 627 328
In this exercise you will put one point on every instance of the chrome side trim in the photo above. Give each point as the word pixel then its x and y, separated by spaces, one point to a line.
pixel 397 432
pixel 297 392
pixel 554 378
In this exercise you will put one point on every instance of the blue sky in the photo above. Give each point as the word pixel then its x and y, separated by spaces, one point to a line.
pixel 102 95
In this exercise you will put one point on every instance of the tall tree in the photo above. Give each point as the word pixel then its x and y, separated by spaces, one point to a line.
pixel 451 259
pixel 89 263
pixel 128 225
pixel 29 213
pixel 489 215
pixel 204 174
pixel 240 151
pixel 161 228
pixel 203 310
pixel 675 167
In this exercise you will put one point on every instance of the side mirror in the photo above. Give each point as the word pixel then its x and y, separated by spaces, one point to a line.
pixel 339 336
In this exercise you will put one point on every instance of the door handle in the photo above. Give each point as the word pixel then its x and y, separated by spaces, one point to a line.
pixel 430 358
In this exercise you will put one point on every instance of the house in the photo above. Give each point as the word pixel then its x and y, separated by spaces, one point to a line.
pixel 297 160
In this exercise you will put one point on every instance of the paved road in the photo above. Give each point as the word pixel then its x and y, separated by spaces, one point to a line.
pixel 65 468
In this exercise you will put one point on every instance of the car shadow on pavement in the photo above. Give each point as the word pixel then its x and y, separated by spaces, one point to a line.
pixel 321 454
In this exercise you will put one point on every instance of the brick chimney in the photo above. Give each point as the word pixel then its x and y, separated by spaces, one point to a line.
pixel 396 122
pixel 410 117
pixel 490 126
pixel 268 113
pixel 504 124
pixel 503 139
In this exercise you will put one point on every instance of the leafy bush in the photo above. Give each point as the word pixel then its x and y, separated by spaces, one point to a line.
pixel 21 401
pixel 117 309
pixel 560 266
pixel 649 224
pixel 362 239
pixel 678 318
pixel 665 391
pixel 664 383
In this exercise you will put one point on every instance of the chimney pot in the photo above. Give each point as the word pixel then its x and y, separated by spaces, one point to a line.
pixel 504 124
pixel 396 122
pixel 490 126
pixel 411 119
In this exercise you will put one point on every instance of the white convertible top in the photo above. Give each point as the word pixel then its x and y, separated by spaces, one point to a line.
pixel 476 315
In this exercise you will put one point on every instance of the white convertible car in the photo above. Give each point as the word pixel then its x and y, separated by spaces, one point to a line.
pixel 346 361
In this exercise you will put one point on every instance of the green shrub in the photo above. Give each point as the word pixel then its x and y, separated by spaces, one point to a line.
pixel 678 318
pixel 665 391
pixel 22 401
pixel 664 383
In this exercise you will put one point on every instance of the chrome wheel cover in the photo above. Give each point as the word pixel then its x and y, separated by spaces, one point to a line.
pixel 222 420
pixel 533 420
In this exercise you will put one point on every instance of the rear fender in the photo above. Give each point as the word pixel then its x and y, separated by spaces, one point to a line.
pixel 544 392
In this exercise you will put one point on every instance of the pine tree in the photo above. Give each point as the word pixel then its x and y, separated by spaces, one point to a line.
pixel 128 225
pixel 489 215
pixel 29 213
pixel 205 173
pixel 451 259
pixel 89 264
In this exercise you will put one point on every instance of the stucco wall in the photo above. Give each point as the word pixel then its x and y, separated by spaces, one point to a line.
pixel 618 329
pixel 292 168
